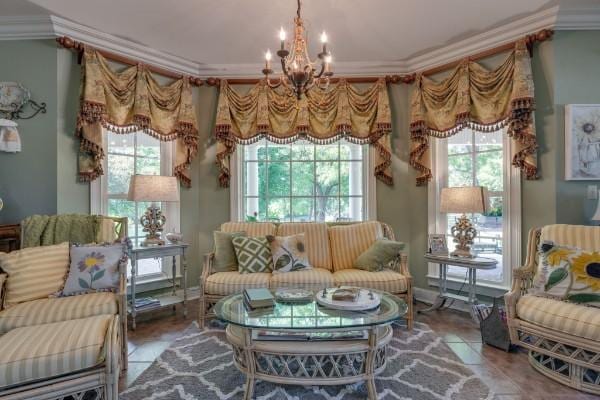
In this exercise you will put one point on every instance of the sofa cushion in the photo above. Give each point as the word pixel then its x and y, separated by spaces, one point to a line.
pixel 253 254
pixel 31 353
pixel 225 283
pixel 350 241
pixel 386 280
pixel 225 259
pixel 289 253
pixel 35 272
pixel 316 236
pixel 569 318
pixel 380 255
pixel 44 311
pixel 315 278
pixel 252 229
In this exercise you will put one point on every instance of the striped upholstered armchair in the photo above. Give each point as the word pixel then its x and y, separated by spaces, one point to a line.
pixel 563 338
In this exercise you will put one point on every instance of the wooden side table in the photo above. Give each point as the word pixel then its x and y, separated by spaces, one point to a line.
pixel 10 238
pixel 472 264
pixel 168 250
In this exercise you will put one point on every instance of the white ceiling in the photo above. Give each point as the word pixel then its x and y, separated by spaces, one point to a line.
pixel 238 32
pixel 229 37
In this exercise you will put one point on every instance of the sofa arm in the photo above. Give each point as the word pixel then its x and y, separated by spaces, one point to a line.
pixel 2 291
pixel 206 270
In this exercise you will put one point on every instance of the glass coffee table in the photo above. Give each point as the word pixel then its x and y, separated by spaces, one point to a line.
pixel 307 344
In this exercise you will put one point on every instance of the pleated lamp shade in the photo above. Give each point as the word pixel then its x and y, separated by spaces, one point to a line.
pixel 464 200
pixel 154 188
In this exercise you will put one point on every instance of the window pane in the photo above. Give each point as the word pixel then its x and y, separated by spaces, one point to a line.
pixel 255 208
pixel 279 152
pixel 460 170
pixel 121 144
pixel 120 169
pixel 278 210
pixel 278 179
pixel 489 170
pixel 327 152
pixel 351 209
pixel 351 151
pixel 489 140
pixel 123 208
pixel 327 208
pixel 303 209
pixel 327 178
pixel 351 182
pixel 303 176
pixel 254 178
pixel 303 150
pixel 147 166
pixel 461 142
pixel 147 146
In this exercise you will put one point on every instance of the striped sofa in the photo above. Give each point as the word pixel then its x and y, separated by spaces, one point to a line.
pixel 563 338
pixel 59 347
pixel 331 250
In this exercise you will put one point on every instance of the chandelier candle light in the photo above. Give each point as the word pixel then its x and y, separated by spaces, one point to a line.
pixel 463 200
pixel 154 188
pixel 298 72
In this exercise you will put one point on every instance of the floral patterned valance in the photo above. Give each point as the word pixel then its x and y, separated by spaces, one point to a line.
pixel 474 97
pixel 321 116
pixel 130 101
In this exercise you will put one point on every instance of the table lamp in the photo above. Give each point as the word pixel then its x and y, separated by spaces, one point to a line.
pixel 154 188
pixel 463 200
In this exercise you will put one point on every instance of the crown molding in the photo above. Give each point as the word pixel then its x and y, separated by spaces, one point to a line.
pixel 561 17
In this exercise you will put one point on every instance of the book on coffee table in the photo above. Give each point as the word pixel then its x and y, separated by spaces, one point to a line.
pixel 258 298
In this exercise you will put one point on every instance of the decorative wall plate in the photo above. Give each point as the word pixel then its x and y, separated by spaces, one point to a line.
pixel 13 96
pixel 367 300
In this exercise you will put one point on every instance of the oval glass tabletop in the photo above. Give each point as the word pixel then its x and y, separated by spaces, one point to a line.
pixel 308 316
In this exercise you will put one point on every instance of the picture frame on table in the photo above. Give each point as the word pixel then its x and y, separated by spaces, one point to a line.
pixel 582 142
pixel 437 244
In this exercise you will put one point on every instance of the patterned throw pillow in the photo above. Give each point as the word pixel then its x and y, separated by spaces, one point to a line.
pixel 289 253
pixel 94 268
pixel 253 254
pixel 568 273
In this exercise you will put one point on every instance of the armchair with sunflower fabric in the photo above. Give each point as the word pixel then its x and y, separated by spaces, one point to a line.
pixel 552 308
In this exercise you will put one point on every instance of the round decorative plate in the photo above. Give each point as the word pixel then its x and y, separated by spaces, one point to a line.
pixel 366 300
pixel 13 96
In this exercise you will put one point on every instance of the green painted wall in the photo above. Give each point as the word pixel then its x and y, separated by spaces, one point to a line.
pixel 563 73
pixel 28 180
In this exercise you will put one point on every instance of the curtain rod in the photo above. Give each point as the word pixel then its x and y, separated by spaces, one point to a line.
pixel 539 36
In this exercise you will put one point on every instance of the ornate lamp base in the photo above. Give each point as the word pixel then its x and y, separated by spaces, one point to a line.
pixel 153 222
pixel 463 232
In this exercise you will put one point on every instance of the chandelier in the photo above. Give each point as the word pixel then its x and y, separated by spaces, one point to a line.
pixel 298 72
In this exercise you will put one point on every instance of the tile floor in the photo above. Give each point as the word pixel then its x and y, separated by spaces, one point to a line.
pixel 508 374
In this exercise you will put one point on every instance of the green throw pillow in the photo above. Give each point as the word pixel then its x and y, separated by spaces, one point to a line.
pixel 379 255
pixel 253 254
pixel 225 259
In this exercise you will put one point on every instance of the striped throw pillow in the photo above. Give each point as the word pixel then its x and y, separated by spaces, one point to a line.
pixel 34 272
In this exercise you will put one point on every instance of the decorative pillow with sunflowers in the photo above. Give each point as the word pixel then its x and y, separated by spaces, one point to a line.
pixel 568 273
pixel 94 268
pixel 289 253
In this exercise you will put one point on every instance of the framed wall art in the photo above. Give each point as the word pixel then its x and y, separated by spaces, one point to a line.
pixel 582 142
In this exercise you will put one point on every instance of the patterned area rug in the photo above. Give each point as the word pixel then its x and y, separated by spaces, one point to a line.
pixel 199 365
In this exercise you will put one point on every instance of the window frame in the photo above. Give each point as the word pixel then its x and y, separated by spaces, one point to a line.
pixel 99 203
pixel 511 235
pixel 236 194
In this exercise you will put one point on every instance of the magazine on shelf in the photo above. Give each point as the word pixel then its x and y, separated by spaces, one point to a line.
pixel 146 302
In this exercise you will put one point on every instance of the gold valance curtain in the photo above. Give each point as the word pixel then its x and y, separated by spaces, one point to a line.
pixel 474 97
pixel 130 101
pixel 321 116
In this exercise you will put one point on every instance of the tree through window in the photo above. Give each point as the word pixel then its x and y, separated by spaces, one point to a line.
pixel 303 181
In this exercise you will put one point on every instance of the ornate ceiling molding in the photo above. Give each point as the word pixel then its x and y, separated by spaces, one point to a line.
pixel 49 27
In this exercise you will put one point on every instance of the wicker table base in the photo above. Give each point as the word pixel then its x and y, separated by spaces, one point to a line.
pixel 310 362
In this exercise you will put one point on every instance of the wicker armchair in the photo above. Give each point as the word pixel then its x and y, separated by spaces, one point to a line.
pixel 400 272
pixel 550 329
